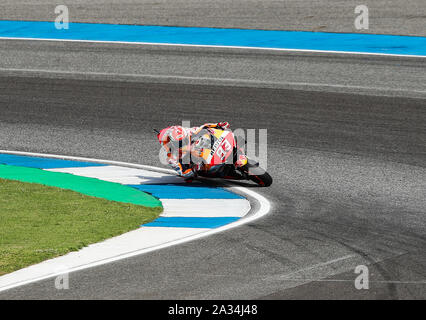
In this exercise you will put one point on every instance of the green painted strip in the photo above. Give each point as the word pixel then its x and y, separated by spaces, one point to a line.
pixel 88 186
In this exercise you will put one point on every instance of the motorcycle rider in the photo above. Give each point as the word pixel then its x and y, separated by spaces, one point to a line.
pixel 176 141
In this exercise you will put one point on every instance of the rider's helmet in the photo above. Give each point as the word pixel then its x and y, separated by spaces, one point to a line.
pixel 175 137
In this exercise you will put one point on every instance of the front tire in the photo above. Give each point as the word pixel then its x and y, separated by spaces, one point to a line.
pixel 263 180
pixel 257 174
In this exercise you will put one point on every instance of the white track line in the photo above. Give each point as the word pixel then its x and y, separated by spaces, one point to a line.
pixel 264 208
pixel 216 46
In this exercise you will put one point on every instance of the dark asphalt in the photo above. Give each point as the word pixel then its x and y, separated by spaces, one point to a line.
pixel 349 172
pixel 347 73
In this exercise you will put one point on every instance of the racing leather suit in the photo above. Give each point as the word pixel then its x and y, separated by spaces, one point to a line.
pixel 174 158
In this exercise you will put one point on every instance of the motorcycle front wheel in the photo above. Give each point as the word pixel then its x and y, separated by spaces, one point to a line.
pixel 257 174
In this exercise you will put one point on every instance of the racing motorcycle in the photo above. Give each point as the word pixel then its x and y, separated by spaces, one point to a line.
pixel 215 153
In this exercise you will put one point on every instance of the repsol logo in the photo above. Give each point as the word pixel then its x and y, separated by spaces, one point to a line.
pixel 216 144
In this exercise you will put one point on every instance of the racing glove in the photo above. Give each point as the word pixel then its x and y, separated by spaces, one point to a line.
pixel 184 170
pixel 223 125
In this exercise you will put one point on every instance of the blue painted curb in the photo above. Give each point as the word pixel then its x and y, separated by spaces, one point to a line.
pixel 43 163
pixel 191 222
pixel 179 191
pixel 341 42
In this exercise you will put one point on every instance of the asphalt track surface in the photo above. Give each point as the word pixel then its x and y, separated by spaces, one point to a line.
pixel 386 16
pixel 367 75
pixel 349 174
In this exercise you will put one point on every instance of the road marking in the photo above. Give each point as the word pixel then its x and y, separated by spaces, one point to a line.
pixel 42 163
pixel 191 222
pixel 303 41
pixel 211 208
pixel 123 175
pixel 222 47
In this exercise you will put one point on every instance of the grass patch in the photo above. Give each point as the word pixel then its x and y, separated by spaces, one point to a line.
pixel 39 222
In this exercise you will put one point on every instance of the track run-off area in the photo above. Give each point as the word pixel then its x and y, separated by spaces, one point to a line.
pixel 346 149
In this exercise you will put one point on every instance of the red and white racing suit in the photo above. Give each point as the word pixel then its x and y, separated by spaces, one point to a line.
pixel 174 159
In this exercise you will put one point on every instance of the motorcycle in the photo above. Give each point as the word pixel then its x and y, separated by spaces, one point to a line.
pixel 215 152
